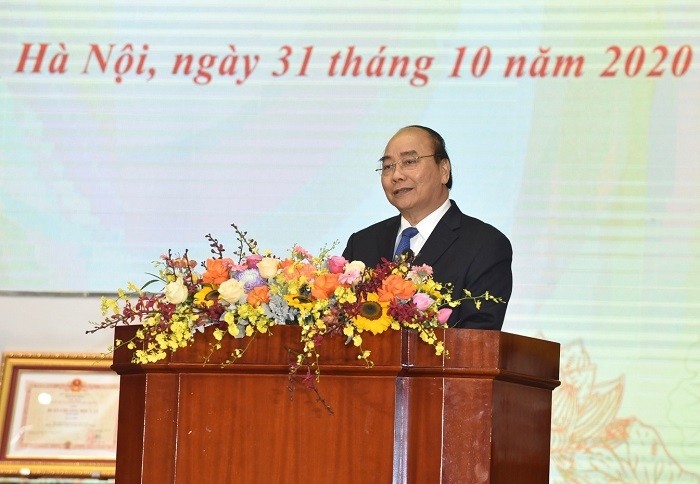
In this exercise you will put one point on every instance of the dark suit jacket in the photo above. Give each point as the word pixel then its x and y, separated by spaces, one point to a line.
pixel 462 250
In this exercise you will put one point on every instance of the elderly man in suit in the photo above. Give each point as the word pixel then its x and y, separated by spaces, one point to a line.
pixel 416 176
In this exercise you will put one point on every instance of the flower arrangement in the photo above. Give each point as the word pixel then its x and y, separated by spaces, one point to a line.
pixel 325 295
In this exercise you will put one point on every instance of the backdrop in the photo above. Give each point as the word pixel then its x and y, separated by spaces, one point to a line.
pixel 130 128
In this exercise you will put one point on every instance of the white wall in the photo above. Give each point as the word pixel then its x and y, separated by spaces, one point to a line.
pixel 51 324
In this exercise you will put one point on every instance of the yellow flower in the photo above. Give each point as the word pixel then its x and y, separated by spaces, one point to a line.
pixel 130 286
pixel 261 326
pixel 428 337
pixel 345 295
pixel 251 313
pixel 108 304
pixel 303 303
pixel 373 315
pixel 201 297
pixel 439 348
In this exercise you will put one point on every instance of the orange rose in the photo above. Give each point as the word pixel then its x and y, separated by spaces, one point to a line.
pixel 259 295
pixel 307 270
pixel 294 271
pixel 217 271
pixel 395 287
pixel 324 286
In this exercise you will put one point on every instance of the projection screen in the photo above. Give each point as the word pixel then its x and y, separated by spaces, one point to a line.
pixel 130 128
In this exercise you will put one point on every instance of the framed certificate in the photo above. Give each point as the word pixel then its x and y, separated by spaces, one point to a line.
pixel 58 415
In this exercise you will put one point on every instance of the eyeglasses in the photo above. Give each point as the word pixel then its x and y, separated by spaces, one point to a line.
pixel 407 164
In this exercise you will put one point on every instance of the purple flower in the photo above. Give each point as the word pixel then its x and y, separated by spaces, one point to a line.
pixel 250 278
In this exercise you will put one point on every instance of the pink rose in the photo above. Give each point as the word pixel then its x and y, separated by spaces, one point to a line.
pixel 252 261
pixel 238 267
pixel 422 301
pixel 336 264
pixel 443 315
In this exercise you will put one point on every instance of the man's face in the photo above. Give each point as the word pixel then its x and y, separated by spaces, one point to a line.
pixel 421 190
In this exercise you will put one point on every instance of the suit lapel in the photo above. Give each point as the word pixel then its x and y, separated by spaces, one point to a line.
pixel 388 240
pixel 443 236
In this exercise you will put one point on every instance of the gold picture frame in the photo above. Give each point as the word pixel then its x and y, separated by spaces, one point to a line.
pixel 58 415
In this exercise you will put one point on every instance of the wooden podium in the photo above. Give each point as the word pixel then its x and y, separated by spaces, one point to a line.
pixel 481 415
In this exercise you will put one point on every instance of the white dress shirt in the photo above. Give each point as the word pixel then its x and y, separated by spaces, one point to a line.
pixel 425 227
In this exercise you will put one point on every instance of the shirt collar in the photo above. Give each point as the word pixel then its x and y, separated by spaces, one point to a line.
pixel 425 227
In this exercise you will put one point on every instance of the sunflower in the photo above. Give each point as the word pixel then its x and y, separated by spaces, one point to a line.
pixel 299 301
pixel 373 315
pixel 205 296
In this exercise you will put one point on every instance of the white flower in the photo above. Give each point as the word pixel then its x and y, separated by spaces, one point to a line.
pixel 232 291
pixel 176 291
pixel 268 267
pixel 356 265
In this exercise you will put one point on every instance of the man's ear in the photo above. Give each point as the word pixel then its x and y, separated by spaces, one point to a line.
pixel 446 168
